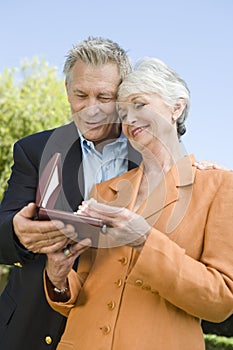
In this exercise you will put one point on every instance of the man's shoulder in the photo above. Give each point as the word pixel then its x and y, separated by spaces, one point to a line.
pixel 43 136
pixel 43 144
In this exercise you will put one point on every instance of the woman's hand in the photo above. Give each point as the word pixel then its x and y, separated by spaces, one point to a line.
pixel 123 226
pixel 208 164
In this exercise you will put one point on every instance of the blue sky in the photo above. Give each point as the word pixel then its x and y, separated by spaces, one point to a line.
pixel 193 37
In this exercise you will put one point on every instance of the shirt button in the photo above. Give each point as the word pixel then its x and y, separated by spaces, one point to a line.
pixel 111 305
pixel 138 283
pixel 124 260
pixel 107 167
pixel 106 329
pixel 48 340
pixel 119 282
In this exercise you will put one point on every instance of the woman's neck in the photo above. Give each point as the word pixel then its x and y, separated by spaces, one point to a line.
pixel 158 161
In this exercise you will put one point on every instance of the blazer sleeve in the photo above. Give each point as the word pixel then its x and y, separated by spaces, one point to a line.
pixel 21 191
pixel 75 282
pixel 202 287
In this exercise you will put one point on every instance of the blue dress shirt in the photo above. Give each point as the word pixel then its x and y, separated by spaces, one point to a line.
pixel 103 166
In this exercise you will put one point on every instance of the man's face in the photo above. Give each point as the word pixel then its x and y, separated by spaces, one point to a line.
pixel 92 93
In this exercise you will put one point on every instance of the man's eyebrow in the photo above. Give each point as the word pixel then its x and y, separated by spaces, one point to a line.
pixel 78 90
pixel 109 93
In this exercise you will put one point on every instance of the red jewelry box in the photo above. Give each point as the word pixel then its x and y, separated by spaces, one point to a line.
pixel 50 184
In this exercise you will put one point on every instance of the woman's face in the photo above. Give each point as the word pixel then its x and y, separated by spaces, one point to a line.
pixel 147 120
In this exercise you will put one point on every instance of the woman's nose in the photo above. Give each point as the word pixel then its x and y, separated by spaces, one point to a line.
pixel 131 117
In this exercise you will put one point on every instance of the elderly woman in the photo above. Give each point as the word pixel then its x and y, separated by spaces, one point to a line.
pixel 166 259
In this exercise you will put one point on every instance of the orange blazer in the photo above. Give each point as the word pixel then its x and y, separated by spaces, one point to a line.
pixel 123 299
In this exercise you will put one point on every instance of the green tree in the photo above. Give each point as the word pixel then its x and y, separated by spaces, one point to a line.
pixel 32 98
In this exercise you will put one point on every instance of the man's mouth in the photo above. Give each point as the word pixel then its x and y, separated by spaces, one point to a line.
pixel 96 123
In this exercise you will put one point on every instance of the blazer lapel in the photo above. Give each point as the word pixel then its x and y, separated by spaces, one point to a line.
pixel 175 187
pixel 123 192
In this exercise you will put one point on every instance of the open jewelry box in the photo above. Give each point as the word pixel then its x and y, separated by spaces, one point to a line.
pixel 49 187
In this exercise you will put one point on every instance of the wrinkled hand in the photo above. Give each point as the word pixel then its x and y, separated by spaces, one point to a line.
pixel 124 226
pixel 41 236
pixel 59 265
pixel 207 164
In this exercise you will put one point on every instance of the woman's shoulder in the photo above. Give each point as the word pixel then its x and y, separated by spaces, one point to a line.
pixel 213 179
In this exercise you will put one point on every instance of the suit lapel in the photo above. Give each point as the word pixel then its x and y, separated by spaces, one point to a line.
pixel 73 181
pixel 65 140
pixel 134 157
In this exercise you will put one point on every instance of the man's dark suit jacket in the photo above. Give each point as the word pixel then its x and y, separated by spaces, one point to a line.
pixel 26 320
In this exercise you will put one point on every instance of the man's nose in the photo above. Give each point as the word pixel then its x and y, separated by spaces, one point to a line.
pixel 92 107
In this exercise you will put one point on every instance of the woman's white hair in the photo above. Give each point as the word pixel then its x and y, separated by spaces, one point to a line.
pixel 151 75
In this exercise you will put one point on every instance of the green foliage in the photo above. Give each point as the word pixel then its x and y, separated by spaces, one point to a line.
pixel 214 342
pixel 32 98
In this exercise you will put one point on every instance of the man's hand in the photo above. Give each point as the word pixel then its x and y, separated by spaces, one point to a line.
pixel 59 265
pixel 41 236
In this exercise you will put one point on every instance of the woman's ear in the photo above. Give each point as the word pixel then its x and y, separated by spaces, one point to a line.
pixel 178 109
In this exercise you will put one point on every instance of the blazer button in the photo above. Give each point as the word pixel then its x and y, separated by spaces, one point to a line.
pixel 119 282
pixel 48 340
pixel 111 305
pixel 124 260
pixel 138 283
pixel 105 329
pixel 18 264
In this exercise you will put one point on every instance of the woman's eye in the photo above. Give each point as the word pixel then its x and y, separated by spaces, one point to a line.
pixel 139 105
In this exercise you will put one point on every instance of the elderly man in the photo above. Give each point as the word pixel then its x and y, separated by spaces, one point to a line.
pixel 92 149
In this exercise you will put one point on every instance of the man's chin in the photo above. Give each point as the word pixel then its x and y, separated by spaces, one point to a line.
pixel 94 136
pixel 99 134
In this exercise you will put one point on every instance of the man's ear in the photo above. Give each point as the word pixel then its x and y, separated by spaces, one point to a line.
pixel 66 85
pixel 67 91
pixel 178 108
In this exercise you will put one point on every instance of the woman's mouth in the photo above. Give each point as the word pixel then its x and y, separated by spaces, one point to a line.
pixel 136 131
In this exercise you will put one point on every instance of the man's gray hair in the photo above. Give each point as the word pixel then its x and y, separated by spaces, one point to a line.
pixel 151 75
pixel 97 51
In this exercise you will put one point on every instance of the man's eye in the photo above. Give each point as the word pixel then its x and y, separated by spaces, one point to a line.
pixel 80 96
pixel 105 99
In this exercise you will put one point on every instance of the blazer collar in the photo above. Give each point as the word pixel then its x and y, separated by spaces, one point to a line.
pixel 168 191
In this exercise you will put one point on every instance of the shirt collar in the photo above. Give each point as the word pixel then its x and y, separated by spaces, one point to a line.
pixel 89 144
